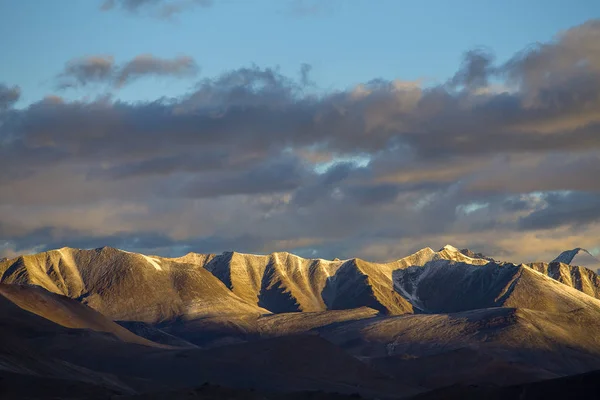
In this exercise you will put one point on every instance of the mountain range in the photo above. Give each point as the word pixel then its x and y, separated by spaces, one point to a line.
pixel 115 323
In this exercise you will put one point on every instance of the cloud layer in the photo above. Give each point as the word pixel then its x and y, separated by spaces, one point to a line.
pixel 502 158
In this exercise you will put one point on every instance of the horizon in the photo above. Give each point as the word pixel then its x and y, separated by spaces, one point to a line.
pixel 325 129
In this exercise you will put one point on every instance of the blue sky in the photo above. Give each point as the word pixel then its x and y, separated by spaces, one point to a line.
pixel 346 42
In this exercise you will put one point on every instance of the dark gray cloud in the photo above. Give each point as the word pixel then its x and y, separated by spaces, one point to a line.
pixel 272 176
pixel 373 194
pixel 570 208
pixel 8 96
pixel 102 69
pixel 264 162
pixel 304 75
pixel 520 203
pixel 146 242
pixel 475 70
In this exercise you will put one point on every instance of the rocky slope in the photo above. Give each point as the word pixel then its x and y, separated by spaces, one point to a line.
pixel 443 286
pixel 128 286
pixel 580 278
pixel 283 282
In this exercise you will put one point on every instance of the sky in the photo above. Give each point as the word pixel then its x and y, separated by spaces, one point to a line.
pixel 328 128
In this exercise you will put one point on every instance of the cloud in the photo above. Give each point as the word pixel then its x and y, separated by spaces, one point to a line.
pixel 271 176
pixel 503 153
pixel 8 96
pixel 83 71
pixel 476 68
pixel 102 69
pixel 168 9
pixel 160 8
pixel 147 64
pixel 564 209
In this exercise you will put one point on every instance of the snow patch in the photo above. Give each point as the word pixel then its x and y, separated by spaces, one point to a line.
pixel 449 247
pixel 155 262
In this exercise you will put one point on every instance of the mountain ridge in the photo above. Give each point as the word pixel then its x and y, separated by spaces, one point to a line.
pixel 135 287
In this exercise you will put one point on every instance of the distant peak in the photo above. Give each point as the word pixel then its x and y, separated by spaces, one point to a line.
pixel 108 248
pixel 577 250
pixel 472 254
pixel 450 252
pixel 449 247
pixel 423 251
pixel 577 256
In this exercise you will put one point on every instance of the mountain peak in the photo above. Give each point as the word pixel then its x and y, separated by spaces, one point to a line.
pixel 567 256
pixel 472 254
pixel 449 247
pixel 579 257
pixel 449 252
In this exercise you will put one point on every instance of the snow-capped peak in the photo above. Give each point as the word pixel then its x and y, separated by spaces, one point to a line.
pixel 449 247
pixel 567 256
pixel 579 257
pixel 449 252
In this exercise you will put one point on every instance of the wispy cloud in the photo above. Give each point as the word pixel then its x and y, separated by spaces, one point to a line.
pixel 168 9
pixel 159 8
pixel 102 69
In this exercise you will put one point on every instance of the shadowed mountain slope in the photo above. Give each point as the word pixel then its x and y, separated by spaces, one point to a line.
pixel 282 364
pixel 280 282
pixel 22 356
pixel 443 286
pixel 66 312
pixel 497 346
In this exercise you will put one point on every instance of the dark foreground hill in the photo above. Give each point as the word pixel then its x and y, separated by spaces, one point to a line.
pixel 582 386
